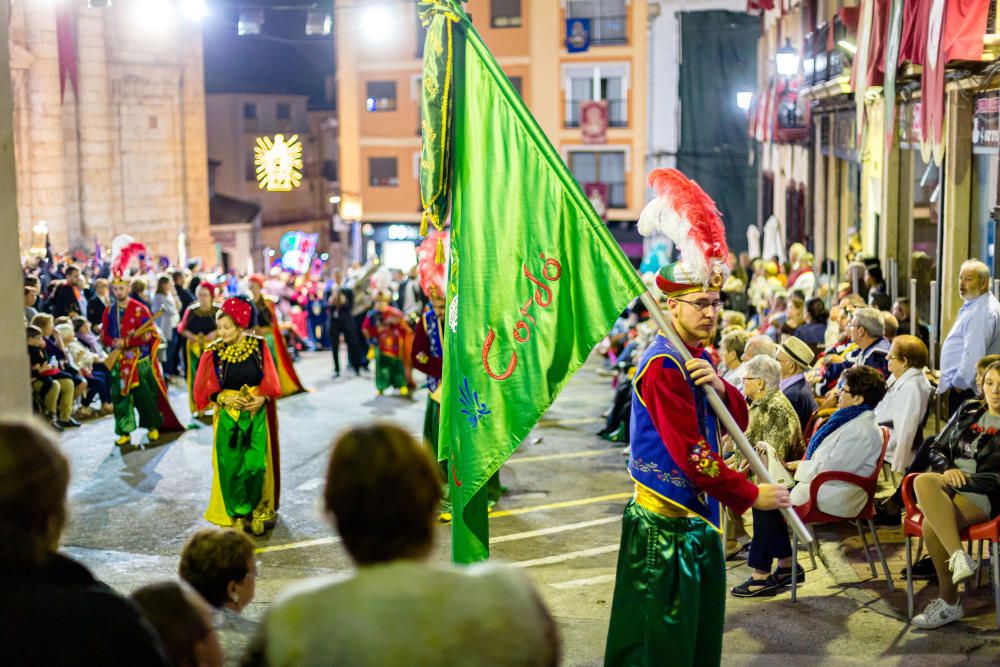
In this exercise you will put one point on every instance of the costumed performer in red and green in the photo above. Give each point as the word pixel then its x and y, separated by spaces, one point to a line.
pixel 670 587
pixel 129 330
pixel 388 327
pixel 268 328
pixel 238 376
pixel 198 329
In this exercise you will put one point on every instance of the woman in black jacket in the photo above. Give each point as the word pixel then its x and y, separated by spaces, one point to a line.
pixel 963 489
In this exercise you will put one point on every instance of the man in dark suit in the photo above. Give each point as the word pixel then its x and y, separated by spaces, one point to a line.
pixel 100 300
pixel 340 302
pixel 795 357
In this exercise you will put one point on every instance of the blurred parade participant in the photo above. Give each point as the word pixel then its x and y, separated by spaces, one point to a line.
pixel 197 327
pixel 340 300
pixel 238 376
pixel 387 328
pixel 268 328
pixel 129 329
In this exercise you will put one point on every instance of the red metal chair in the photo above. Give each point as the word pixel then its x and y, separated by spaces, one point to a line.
pixel 913 526
pixel 810 515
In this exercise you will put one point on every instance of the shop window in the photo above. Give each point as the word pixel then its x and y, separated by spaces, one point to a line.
pixel 607 167
pixel 505 13
pixel 381 96
pixel 383 172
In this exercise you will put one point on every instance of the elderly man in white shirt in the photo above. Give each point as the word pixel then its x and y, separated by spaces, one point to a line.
pixel 975 334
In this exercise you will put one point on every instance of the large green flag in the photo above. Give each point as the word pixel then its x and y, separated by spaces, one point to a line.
pixel 535 281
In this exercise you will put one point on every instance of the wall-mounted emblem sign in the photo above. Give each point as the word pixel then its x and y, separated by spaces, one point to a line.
pixel 278 162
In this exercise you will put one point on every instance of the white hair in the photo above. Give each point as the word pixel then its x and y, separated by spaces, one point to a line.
pixel 765 368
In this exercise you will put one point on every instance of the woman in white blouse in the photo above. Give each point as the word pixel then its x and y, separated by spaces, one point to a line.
pixel 905 403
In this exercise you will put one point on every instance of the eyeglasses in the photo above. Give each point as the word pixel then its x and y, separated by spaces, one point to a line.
pixel 703 304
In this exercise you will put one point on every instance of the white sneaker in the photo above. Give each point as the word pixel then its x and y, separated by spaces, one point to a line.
pixel 962 566
pixel 938 613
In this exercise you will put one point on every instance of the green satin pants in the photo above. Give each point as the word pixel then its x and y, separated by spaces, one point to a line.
pixel 670 593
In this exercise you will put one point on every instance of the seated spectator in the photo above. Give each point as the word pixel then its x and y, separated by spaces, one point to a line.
pixel 772 421
pixel 759 345
pixel 901 311
pixel 772 417
pixel 46 379
pixel 54 611
pixel 731 348
pixel 851 442
pixel 904 407
pixel 891 325
pixel 795 357
pixel 382 490
pixel 960 491
pixel 813 332
pixel 99 302
pixel 56 351
pixel 67 335
pixel 221 565
pixel 183 621
pixel 870 348
pixel 30 298
pixel 794 316
pixel 87 357
pixel 981 367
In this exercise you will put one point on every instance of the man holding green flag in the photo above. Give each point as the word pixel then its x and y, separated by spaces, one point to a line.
pixel 535 279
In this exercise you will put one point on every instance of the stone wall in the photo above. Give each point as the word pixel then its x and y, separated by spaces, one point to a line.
pixel 127 152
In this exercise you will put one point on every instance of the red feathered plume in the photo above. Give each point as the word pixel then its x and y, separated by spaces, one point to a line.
pixel 123 250
pixel 684 213
pixel 431 272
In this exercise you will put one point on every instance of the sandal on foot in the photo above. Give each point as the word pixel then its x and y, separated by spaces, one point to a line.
pixel 783 575
pixel 756 588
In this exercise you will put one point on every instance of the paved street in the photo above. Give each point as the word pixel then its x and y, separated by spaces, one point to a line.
pixel 132 511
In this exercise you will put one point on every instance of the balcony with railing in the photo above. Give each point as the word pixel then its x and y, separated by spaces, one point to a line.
pixel 617 113
pixel 607 30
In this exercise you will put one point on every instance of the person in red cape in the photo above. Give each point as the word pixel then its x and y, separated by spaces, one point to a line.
pixel 388 328
pixel 268 329
pixel 238 376
pixel 128 328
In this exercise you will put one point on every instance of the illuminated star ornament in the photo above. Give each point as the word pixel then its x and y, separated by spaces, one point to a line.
pixel 279 162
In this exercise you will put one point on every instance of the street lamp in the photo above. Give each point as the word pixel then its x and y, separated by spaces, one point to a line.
pixel 787 60
pixel 377 24
pixel 743 100
pixel 194 10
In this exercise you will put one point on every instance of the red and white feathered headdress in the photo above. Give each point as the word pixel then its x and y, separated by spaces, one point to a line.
pixel 433 274
pixel 124 249
pixel 685 214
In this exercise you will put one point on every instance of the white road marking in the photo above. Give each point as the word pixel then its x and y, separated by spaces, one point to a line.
pixel 589 581
pixel 553 530
pixel 561 558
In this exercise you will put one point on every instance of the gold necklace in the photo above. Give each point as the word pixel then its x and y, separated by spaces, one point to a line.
pixel 237 352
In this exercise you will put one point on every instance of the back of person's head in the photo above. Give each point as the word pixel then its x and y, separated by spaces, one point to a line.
pixel 913 352
pixel 866 382
pixel 65 331
pixel 382 490
pixel 817 310
pixel 183 621
pixel 735 342
pixel 34 476
pixel 213 559
pixel 79 323
pixel 32 331
pixel 987 361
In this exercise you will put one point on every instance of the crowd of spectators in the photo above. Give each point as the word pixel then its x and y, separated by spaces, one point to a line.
pixel 825 383
pixel 65 300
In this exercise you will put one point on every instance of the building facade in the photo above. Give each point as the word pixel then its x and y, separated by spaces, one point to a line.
pixel 853 131
pixel 109 128
pixel 379 83
pixel 243 127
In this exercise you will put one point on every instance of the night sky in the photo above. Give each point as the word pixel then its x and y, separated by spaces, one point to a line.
pixel 281 60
